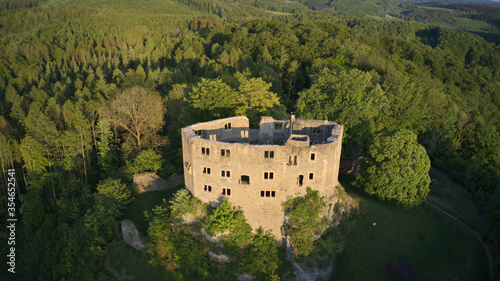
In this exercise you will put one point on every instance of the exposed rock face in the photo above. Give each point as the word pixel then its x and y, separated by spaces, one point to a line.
pixel 336 214
pixel 131 235
pixel 303 273
pixel 221 258
pixel 152 182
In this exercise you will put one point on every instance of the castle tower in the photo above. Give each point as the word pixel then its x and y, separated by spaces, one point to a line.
pixel 258 169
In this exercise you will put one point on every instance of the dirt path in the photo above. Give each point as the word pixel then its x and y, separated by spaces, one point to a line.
pixel 475 233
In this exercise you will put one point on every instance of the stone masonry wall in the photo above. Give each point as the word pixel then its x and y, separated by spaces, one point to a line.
pixel 219 162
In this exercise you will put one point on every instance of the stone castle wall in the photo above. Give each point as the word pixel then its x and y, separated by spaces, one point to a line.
pixel 258 169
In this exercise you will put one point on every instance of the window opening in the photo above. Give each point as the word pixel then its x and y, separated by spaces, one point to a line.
pixel 311 176
pixel 267 193
pixel 313 156
pixel 224 152
pixel 226 191
pixel 227 126
pixel 269 154
pixel 317 131
pixel 245 179
pixel 206 170
pixel 268 175
pixel 301 180
pixel 278 126
pixel 207 188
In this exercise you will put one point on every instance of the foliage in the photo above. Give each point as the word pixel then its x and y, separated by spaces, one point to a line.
pixel 63 64
pixel 305 222
pixel 138 112
pixel 349 96
pixel 327 246
pixel 223 218
pixel 106 149
pixel 146 161
pixel 183 203
pixel 161 247
pixel 262 256
pixel 113 195
pixel 214 99
pixel 32 211
pixel 227 219
pixel 396 168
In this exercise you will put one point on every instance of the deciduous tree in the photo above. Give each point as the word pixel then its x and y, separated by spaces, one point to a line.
pixel 139 113
pixel 396 168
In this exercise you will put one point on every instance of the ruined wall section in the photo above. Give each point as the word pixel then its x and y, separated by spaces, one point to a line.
pixel 258 178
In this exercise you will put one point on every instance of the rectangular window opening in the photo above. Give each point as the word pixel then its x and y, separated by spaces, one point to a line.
pixel 262 193
pixel 273 193
pixel 317 131
pixel 268 193
pixel 224 152
pixel 311 176
pixel 278 126
pixel 245 179
pixel 300 180
pixel 225 174
pixel 227 126
pixel 313 156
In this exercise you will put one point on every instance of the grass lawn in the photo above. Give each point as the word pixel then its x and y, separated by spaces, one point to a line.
pixel 467 24
pixel 126 263
pixel 437 247
pixel 454 199
pixel 146 202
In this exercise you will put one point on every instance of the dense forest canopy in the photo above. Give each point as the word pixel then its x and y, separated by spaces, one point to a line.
pixel 65 64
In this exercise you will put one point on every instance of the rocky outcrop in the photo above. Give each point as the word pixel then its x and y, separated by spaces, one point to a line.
pixel 152 182
pixel 309 273
pixel 131 235
pixel 221 258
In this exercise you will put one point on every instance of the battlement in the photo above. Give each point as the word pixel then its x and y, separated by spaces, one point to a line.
pixel 258 169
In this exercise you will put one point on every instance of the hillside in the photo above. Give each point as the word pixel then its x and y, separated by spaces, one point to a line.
pixel 73 73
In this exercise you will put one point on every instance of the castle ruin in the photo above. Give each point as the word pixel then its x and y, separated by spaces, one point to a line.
pixel 258 169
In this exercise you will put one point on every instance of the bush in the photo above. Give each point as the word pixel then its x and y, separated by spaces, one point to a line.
pixel 146 161
pixel 305 222
pixel 183 203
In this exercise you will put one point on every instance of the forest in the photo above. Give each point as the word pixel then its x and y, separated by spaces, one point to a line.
pixel 72 74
